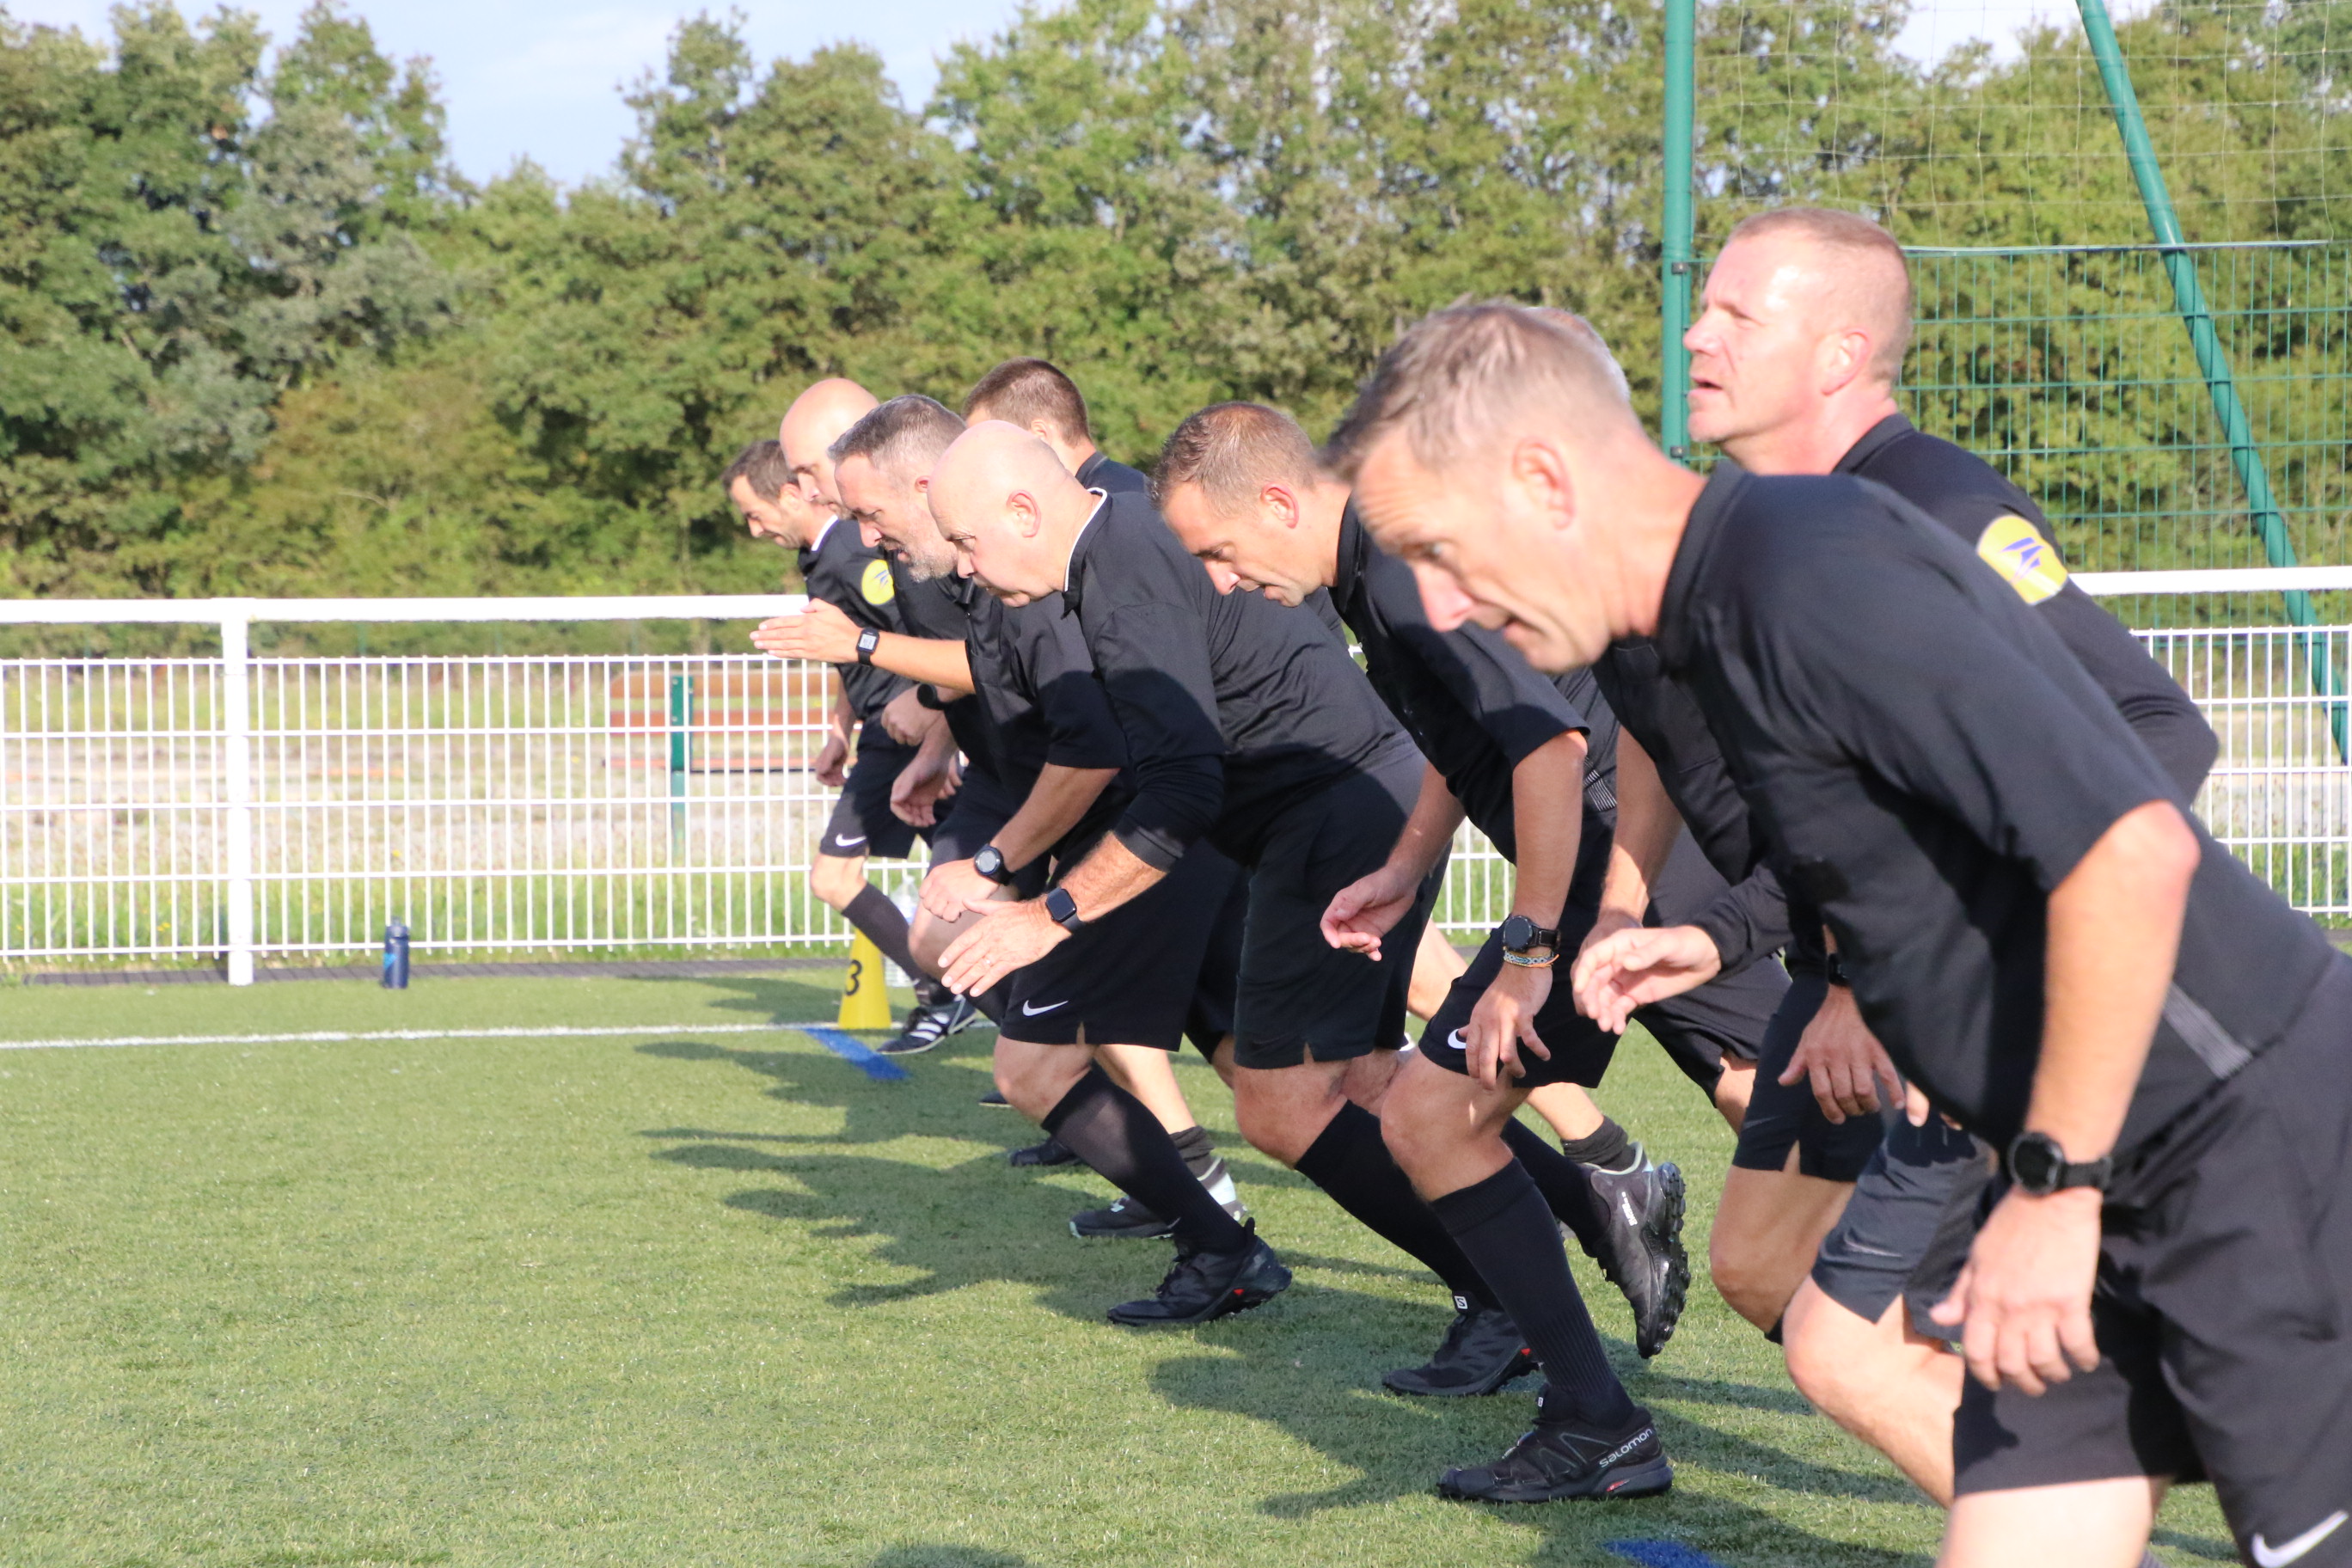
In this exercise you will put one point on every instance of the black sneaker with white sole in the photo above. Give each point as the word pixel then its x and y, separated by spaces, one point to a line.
pixel 1560 1461
pixel 1052 1152
pixel 1482 1352
pixel 1202 1286
pixel 997 1096
pixel 927 1026
pixel 1125 1219
pixel 1643 1255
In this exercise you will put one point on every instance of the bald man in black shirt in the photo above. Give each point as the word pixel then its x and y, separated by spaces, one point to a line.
pixel 2047 945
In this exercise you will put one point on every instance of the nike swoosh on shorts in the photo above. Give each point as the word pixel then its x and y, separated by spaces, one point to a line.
pixel 2270 1556
pixel 1029 1012
pixel 850 843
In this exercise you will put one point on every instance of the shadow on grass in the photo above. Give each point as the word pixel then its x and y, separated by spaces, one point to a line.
pixel 933 1556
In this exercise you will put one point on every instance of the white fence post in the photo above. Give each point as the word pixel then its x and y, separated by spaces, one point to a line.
pixel 237 726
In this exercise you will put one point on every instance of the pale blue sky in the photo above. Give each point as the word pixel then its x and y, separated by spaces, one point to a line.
pixel 543 78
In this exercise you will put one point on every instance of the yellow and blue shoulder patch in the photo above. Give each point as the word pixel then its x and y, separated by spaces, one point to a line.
pixel 875 584
pixel 2026 561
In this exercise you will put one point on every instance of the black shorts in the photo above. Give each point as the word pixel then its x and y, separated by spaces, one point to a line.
pixel 1298 993
pixel 1785 1116
pixel 1130 978
pixel 1211 1017
pixel 1728 1016
pixel 1908 1228
pixel 2225 1277
pixel 861 823
pixel 1580 1050
pixel 976 813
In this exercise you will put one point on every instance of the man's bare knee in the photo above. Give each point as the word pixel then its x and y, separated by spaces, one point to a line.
pixel 1282 1110
pixel 1036 1077
pixel 1830 1351
pixel 836 880
pixel 929 937
pixel 1753 1284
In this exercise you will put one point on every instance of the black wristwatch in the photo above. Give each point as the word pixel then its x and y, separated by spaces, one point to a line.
pixel 868 641
pixel 1519 934
pixel 990 863
pixel 1834 971
pixel 2038 1166
pixel 1063 908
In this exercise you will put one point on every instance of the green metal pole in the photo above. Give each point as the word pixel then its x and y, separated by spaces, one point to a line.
pixel 681 714
pixel 2213 362
pixel 1675 311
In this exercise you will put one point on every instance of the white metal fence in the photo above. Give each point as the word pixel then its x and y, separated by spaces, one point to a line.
pixel 246 807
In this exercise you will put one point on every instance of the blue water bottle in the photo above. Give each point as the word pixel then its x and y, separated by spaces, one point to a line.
pixel 395 957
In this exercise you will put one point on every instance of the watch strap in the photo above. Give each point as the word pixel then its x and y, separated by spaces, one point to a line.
pixel 868 641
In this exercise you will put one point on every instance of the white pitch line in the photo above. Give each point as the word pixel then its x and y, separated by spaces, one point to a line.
pixel 332 1037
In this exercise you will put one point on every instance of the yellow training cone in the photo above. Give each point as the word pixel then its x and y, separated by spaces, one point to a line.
pixel 865 994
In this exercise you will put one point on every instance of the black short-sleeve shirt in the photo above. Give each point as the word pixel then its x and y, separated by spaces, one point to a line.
pixel 840 570
pixel 1233 707
pixel 1469 702
pixel 1043 703
pixel 1928 760
pixel 2007 532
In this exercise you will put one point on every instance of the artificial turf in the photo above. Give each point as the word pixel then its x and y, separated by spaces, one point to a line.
pixel 700 1298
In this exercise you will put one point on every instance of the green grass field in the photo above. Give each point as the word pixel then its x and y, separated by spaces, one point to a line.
pixel 700 1298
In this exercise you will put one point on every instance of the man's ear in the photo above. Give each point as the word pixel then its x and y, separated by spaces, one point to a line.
pixel 1282 502
pixel 1540 470
pixel 1843 355
pixel 1027 519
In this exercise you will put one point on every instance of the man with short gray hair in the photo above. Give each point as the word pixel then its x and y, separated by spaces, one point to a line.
pixel 2048 946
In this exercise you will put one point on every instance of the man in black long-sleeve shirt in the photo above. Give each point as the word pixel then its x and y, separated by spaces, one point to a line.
pixel 2048 945
pixel 1796 290
pixel 1250 728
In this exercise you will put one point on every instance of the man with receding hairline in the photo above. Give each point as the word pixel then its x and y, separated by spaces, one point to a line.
pixel 904 750
pixel 2049 947
pixel 1250 728
pixel 1795 355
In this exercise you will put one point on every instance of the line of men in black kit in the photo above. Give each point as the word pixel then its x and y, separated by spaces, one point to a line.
pixel 2041 1098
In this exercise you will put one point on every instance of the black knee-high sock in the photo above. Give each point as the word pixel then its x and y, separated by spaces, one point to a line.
pixel 1606 1148
pixel 1352 1162
pixel 1506 1228
pixel 1109 1128
pixel 1566 1187
pixel 872 913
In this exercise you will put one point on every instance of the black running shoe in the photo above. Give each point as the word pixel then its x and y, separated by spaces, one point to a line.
pixel 1201 1286
pixel 1644 1254
pixel 927 1026
pixel 1052 1152
pixel 1557 1462
pixel 997 1096
pixel 1125 1219
pixel 1481 1353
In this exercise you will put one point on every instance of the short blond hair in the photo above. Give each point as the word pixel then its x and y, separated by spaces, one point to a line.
pixel 1468 371
pixel 1876 293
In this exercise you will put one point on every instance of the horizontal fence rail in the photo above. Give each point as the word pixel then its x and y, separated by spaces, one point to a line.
pixel 253 808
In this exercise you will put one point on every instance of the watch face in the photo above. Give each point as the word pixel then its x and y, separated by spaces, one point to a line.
pixel 2035 1161
pixel 989 861
pixel 1517 931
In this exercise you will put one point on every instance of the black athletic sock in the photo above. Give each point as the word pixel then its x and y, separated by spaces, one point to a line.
pixel 1503 1224
pixel 1198 1151
pixel 1608 1149
pixel 930 992
pixel 1566 1185
pixel 872 913
pixel 1109 1128
pixel 1350 1162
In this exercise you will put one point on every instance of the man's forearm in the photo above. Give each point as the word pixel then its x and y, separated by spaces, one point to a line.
pixel 930 661
pixel 2114 935
pixel 1108 877
pixel 1429 829
pixel 1548 821
pixel 1647 824
pixel 1057 802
